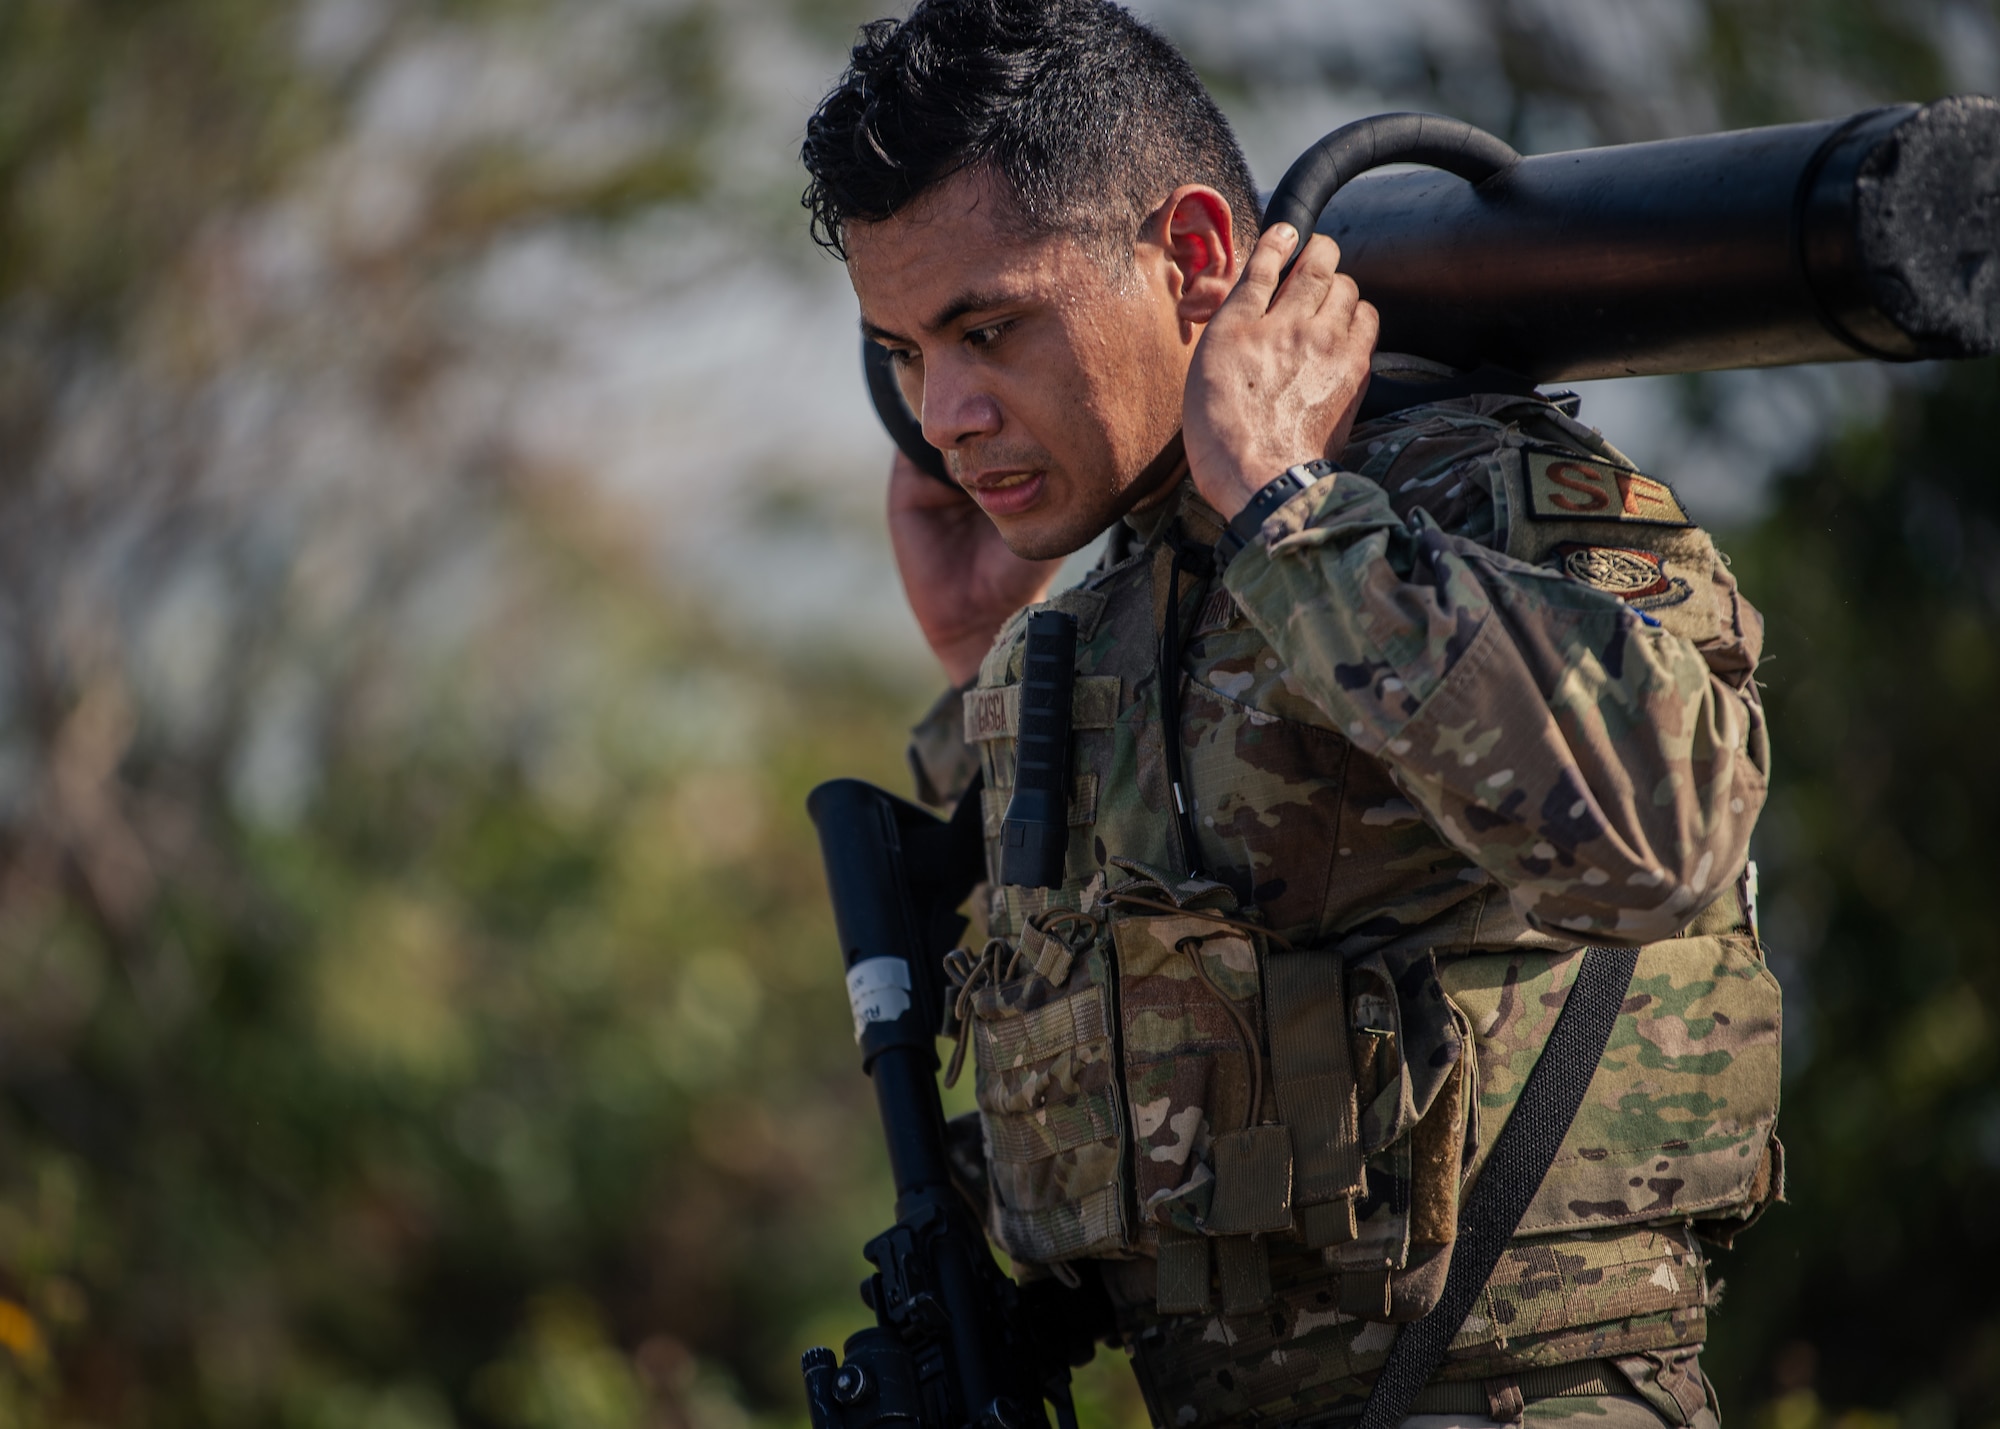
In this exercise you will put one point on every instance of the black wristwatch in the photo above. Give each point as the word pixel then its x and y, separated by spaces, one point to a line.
pixel 1276 492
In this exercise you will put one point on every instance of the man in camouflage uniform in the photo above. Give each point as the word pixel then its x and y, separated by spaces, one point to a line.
pixel 1475 699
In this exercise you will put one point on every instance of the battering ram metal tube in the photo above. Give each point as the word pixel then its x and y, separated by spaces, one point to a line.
pixel 1873 236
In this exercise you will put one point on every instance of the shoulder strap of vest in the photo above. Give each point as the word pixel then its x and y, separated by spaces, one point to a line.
pixel 1521 1157
pixel 1388 395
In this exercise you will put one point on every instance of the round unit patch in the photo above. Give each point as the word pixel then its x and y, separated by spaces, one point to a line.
pixel 1609 568
pixel 1637 577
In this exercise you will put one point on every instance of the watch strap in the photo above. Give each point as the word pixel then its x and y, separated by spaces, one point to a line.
pixel 1244 526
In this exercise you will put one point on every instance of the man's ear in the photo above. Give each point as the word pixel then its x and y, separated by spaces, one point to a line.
pixel 1199 236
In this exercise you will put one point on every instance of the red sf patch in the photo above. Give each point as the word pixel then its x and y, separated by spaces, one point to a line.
pixel 1566 487
pixel 1639 578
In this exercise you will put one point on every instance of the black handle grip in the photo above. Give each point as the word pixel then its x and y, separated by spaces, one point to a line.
pixel 1353 149
pixel 1034 839
pixel 897 418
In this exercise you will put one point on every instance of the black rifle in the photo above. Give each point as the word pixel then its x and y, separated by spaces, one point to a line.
pixel 1874 236
pixel 956 1342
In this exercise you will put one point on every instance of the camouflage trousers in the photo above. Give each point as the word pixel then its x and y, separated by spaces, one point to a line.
pixel 1302 1364
pixel 1661 1390
pixel 1579 1411
pixel 1666 1391
pixel 1571 1411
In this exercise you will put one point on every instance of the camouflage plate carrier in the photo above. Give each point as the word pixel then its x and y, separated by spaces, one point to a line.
pixel 1482 699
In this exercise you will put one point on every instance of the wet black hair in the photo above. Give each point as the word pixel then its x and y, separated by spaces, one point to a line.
pixel 1088 117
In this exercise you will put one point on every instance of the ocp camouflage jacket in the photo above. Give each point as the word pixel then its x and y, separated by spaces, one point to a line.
pixel 1482 699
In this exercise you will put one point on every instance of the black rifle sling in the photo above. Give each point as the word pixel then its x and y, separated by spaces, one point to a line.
pixel 1521 1157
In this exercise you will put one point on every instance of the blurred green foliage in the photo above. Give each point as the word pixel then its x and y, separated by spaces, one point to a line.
pixel 502 1076
pixel 123 128
pixel 459 1085
pixel 1879 573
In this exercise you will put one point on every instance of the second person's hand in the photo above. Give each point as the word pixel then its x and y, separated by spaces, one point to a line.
pixel 961 580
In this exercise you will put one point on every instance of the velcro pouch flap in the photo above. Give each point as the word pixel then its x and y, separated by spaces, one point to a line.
pixel 1313 1077
pixel 1253 1182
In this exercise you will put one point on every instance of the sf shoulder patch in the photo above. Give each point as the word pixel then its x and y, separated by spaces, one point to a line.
pixel 1564 486
pixel 1639 578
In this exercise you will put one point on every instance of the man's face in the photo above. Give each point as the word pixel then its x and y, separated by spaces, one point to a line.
pixel 1047 377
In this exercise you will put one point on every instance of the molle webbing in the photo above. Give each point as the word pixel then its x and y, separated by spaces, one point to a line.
pixel 1042 1028
pixel 1242 1264
pixel 1313 1077
pixel 1302 1359
pixel 1253 1182
pixel 1181 1274
pixel 1298 1177
pixel 1583 1379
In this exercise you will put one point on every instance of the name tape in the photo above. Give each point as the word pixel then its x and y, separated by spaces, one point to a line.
pixel 995 712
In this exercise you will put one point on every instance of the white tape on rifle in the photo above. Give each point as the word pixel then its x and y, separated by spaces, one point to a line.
pixel 878 989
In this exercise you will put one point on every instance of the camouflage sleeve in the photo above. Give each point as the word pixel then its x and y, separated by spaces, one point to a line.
pixel 941 762
pixel 1603 769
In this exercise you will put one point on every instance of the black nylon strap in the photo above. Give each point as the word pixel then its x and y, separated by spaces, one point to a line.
pixel 1521 1157
pixel 1200 561
pixel 1245 524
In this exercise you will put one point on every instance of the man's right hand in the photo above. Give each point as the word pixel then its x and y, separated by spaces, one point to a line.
pixel 1277 380
pixel 958 575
